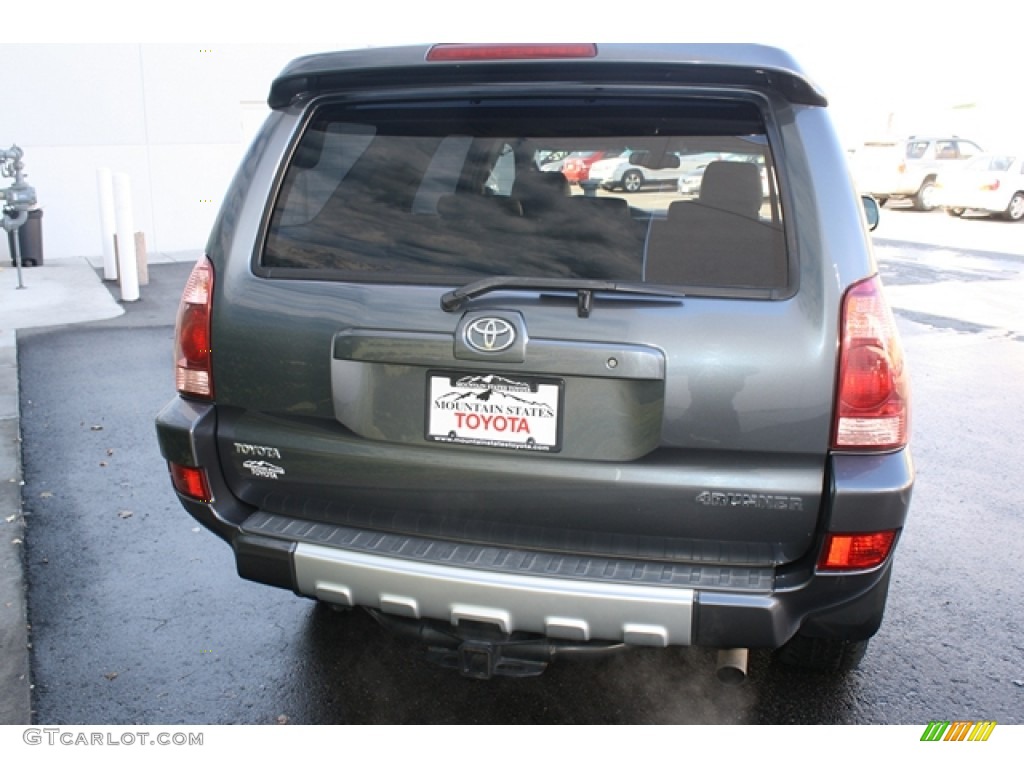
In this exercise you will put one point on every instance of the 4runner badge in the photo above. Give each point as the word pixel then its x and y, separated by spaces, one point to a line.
pixel 263 469
pixel 490 334
pixel 743 499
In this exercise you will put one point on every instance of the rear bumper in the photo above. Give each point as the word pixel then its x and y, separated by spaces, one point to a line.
pixel 564 609
pixel 976 200
pixel 576 610
pixel 573 599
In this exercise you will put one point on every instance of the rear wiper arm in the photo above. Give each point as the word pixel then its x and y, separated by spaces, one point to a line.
pixel 457 298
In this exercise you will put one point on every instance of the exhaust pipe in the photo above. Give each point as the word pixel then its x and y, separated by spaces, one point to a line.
pixel 732 666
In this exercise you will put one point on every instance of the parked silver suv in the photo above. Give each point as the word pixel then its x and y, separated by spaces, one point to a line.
pixel 420 375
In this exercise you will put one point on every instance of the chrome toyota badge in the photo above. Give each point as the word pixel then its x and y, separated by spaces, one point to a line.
pixel 490 334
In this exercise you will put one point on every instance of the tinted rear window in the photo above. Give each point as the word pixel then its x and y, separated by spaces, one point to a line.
pixel 676 193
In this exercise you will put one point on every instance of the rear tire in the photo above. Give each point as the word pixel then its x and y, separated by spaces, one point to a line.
pixel 1015 210
pixel 822 655
pixel 924 200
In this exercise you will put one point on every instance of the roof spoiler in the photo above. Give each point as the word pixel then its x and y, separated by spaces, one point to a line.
pixel 726 65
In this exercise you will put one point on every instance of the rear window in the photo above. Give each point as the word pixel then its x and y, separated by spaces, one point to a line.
pixel 449 192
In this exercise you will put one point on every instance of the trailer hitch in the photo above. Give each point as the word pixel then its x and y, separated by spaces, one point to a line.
pixel 480 651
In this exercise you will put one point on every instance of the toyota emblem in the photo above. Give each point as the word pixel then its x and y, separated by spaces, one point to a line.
pixel 490 334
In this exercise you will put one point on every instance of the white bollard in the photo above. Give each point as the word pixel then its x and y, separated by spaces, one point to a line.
pixel 128 268
pixel 105 188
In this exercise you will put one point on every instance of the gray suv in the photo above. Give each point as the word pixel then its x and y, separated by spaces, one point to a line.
pixel 420 375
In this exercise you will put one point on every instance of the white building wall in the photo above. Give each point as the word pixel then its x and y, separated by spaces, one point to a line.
pixel 175 118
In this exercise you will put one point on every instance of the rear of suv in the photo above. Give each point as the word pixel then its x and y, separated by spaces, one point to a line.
pixel 420 375
pixel 906 169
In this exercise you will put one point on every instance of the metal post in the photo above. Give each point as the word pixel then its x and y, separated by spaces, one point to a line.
pixel 17 257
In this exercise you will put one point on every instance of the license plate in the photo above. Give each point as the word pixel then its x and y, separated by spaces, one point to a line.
pixel 494 410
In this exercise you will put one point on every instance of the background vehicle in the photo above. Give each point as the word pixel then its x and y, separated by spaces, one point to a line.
pixel 551 160
pixel 689 183
pixel 421 376
pixel 631 170
pixel 990 183
pixel 576 166
pixel 906 168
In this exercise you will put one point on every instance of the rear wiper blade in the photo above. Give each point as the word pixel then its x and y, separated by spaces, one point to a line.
pixel 457 298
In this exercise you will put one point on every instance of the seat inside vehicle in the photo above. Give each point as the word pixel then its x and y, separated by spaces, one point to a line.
pixel 720 238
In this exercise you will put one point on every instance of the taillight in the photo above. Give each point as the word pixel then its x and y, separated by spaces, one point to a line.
pixel 190 481
pixel 991 186
pixel 855 551
pixel 193 374
pixel 493 52
pixel 872 403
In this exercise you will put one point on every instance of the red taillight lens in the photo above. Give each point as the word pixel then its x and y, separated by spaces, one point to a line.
pixel 990 186
pixel 190 481
pixel 193 375
pixel 872 410
pixel 493 52
pixel 855 551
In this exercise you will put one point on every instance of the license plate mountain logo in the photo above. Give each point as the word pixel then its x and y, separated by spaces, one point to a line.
pixel 495 411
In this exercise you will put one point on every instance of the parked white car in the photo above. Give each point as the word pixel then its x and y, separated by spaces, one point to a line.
pixel 689 183
pixel 632 170
pixel 991 183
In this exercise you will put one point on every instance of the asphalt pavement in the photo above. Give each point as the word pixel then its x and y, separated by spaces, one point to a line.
pixel 59 292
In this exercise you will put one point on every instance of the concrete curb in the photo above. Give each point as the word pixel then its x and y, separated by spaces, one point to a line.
pixel 15 681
